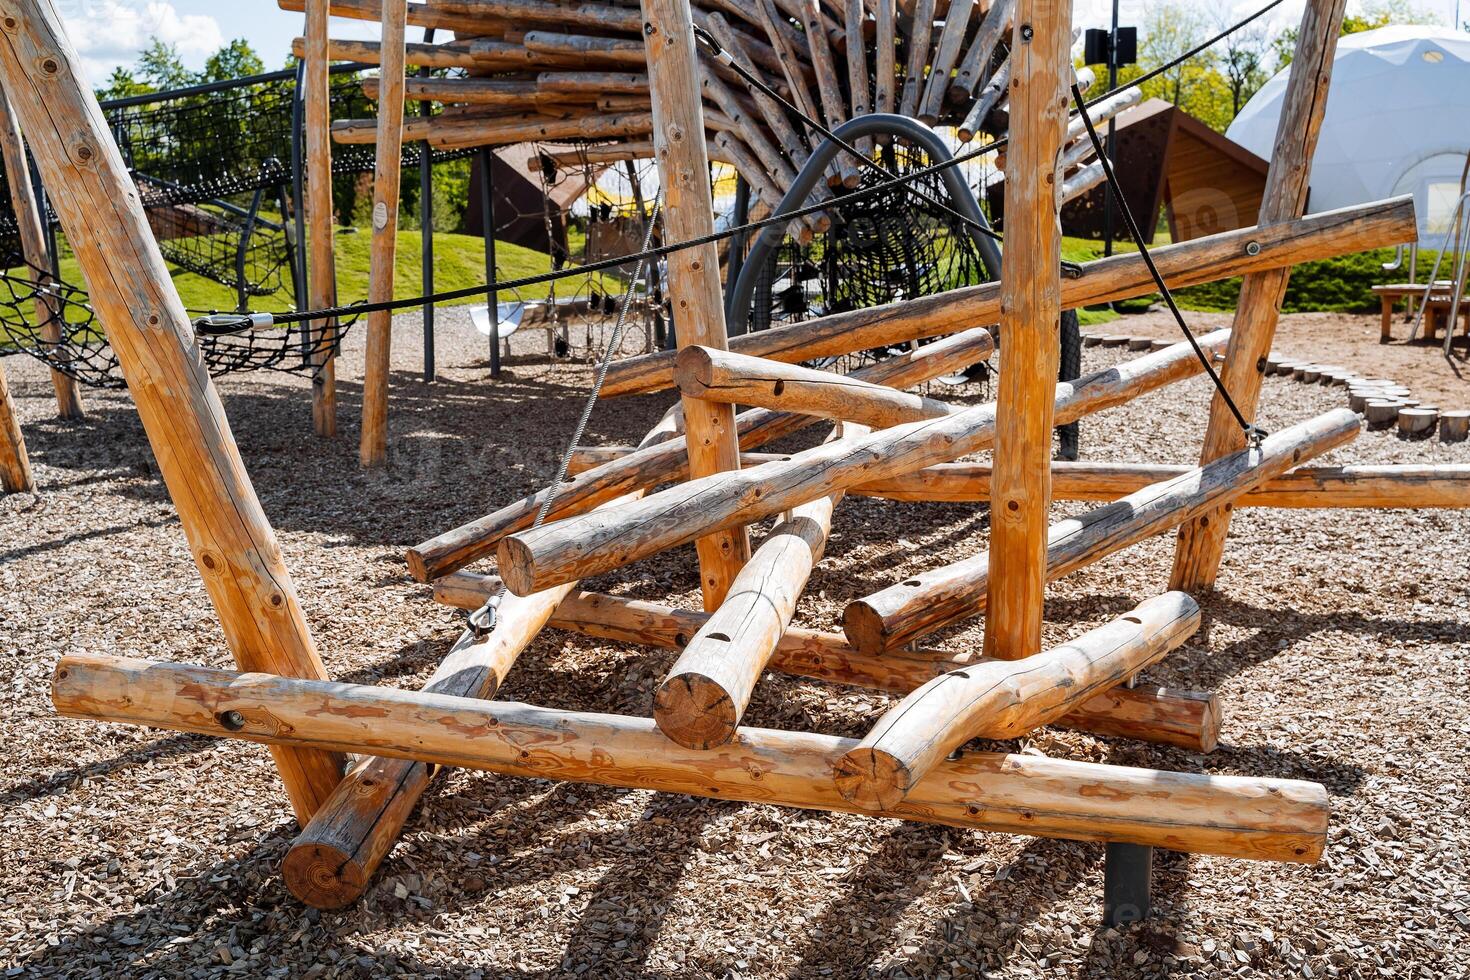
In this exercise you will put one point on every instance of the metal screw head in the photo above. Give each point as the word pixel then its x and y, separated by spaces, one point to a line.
pixel 1027 33
pixel 1252 248
pixel 232 720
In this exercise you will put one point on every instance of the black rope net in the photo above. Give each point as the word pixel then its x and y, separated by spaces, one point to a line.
pixel 53 322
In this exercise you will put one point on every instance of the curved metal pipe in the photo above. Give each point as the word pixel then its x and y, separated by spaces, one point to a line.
pixel 737 302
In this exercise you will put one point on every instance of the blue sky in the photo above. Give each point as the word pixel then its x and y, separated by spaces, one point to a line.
pixel 111 32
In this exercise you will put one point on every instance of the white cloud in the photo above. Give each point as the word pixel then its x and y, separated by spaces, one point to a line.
pixel 108 33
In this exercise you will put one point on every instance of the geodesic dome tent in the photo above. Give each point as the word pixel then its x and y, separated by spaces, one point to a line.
pixel 1397 122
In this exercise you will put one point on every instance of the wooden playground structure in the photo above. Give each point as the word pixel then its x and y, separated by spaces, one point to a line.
pixel 885 441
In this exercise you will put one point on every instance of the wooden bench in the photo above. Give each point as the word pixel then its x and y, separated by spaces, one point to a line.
pixel 1436 309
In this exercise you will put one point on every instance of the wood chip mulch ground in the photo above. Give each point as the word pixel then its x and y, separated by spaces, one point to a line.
pixel 1339 642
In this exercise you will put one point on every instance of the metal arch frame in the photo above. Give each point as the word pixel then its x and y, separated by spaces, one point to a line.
pixel 737 300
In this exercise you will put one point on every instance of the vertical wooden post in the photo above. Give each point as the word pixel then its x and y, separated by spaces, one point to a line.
pixel 373 448
pixel 232 543
pixel 1201 542
pixel 33 249
pixel 1030 302
pixel 323 276
pixel 15 465
pixel 694 273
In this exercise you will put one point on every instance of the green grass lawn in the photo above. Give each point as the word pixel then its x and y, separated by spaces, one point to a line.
pixel 459 262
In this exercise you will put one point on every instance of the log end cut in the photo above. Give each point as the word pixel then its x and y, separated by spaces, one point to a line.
pixel 418 566
pixel 324 876
pixel 693 370
pixel 872 779
pixel 862 623
pixel 516 566
pixel 695 711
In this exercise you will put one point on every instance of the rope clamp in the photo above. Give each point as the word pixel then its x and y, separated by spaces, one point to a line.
pixel 482 620
pixel 220 324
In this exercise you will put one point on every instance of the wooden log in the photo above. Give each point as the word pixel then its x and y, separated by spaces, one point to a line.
pixel 457 548
pixel 1118 277
pixel 990 96
pixel 1202 544
pixel 859 82
pixel 884 68
pixel 1417 421
pixel 1082 181
pixel 1382 413
pixel 320 214
pixel 610 153
pixel 1398 485
pixel 828 85
pixel 1004 699
pixel 1030 305
pixel 447 55
pixel 593 82
pixel 929 600
pixel 749 167
pixel 472 91
pixel 790 64
pixel 15 463
pixel 1454 426
pixel 1188 719
pixel 1265 819
pixel 434 15
pixel 693 274
pixel 334 858
pixel 387 168
pixel 975 65
pixel 596 50
pixel 738 379
pixel 922 27
pixel 130 288
pixel 33 250
pixel 587 544
pixel 701 701
pixel 461 131
pixel 946 52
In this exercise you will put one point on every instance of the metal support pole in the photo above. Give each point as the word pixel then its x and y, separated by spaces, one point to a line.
pixel 426 227
pixel 487 220
pixel 38 190
pixel 1110 146
pixel 1127 869
pixel 295 252
pixel 736 256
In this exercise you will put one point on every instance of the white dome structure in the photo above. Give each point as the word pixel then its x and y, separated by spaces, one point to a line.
pixel 1397 122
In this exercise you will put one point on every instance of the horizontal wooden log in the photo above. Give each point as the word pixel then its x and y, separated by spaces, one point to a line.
pixel 1259 818
pixel 593 82
pixel 739 379
pixel 475 91
pixel 584 545
pixel 596 50
pixel 447 55
pixel 1188 719
pixel 1393 485
pixel 611 153
pixel 935 598
pixel 1006 699
pixel 458 132
pixel 458 547
pixel 1121 276
pixel 433 15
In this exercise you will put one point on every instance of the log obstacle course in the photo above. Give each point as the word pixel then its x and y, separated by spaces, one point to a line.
pixel 694 485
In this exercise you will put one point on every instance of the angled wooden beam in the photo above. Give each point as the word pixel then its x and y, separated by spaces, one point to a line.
pixel 33 250
pixel 974 67
pixel 387 169
pixel 1392 485
pixel 334 858
pixel 456 548
pixel 232 543
pixel 926 601
pixel 1030 305
pixel 1202 542
pixel 1323 235
pixel 1236 816
pixel 946 52
pixel 587 544
pixel 695 295
pixel 15 463
pixel 1148 713
pixel 739 379
pixel 320 214
pixel 1006 699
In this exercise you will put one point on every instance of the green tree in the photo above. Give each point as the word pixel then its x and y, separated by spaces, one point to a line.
pixel 161 68
pixel 235 60
pixel 1244 56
